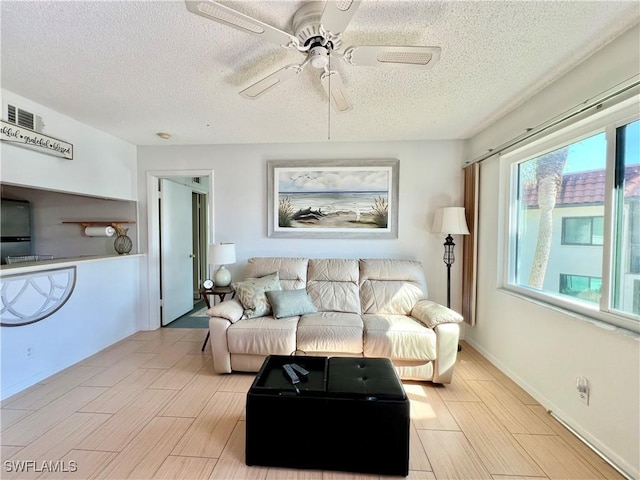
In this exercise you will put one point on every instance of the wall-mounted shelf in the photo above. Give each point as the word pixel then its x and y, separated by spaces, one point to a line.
pixel 117 224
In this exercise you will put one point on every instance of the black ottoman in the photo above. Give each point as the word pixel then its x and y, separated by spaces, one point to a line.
pixel 351 414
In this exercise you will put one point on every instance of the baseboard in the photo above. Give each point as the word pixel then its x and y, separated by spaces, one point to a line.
pixel 626 469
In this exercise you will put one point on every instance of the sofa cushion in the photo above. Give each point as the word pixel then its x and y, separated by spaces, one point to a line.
pixel 263 336
pixel 333 285
pixel 251 294
pixel 290 303
pixel 391 286
pixel 330 332
pixel 398 337
pixel 292 271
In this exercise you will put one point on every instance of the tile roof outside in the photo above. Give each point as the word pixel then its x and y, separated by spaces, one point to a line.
pixel 586 188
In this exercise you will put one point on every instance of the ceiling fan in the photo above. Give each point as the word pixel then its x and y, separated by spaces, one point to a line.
pixel 317 34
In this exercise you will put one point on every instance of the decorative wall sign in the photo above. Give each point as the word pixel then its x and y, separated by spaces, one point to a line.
pixel 23 137
pixel 30 297
pixel 333 198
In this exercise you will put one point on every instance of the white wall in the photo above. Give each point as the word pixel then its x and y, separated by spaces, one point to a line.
pixel 430 177
pixel 545 349
pixel 103 308
pixel 102 165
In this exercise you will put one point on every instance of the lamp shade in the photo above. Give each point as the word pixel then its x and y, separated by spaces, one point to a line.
pixel 222 254
pixel 450 220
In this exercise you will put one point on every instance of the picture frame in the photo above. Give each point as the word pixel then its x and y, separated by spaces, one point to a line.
pixel 333 198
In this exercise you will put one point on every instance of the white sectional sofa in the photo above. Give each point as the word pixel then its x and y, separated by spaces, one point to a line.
pixel 340 307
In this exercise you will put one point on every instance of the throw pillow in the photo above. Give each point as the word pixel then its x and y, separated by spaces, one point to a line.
pixel 290 303
pixel 252 297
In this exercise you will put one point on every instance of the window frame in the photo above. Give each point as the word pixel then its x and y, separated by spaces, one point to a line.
pixel 633 267
pixel 604 120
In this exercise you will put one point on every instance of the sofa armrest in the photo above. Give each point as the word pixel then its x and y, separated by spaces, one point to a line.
pixel 219 348
pixel 432 313
pixel 229 310
pixel 448 335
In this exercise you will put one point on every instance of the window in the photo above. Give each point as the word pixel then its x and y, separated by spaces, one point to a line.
pixel 574 206
pixel 582 230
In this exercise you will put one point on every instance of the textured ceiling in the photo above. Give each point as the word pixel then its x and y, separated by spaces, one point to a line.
pixel 134 68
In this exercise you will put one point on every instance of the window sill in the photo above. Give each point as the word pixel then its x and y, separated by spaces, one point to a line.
pixel 597 322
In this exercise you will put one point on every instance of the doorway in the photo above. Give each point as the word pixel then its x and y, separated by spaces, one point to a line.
pixel 180 226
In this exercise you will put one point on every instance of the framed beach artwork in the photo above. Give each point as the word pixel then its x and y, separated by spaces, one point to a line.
pixel 333 198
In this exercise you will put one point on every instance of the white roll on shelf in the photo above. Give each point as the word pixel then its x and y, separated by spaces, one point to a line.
pixel 99 231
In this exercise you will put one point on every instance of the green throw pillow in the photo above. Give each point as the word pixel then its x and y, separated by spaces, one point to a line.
pixel 252 297
pixel 290 303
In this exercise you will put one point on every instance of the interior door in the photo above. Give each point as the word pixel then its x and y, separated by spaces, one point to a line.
pixel 176 257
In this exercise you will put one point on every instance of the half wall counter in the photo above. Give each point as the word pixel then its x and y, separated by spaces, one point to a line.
pixel 55 313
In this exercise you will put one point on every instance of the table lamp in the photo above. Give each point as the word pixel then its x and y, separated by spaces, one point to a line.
pixel 222 254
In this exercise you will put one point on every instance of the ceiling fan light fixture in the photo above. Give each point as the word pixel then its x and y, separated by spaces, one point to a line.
pixel 216 13
pixel 319 57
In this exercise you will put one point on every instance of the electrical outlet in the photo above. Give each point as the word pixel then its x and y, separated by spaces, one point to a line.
pixel 29 352
pixel 582 385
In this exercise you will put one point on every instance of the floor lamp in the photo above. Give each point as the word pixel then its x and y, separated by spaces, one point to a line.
pixel 451 221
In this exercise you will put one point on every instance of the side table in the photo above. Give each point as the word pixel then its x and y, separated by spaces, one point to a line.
pixel 221 292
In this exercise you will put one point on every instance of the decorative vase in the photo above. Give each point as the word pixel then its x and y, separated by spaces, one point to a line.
pixel 123 243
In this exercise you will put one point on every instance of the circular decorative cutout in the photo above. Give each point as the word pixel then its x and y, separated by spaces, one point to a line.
pixel 30 297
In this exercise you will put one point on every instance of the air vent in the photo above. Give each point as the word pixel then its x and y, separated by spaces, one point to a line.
pixel 24 119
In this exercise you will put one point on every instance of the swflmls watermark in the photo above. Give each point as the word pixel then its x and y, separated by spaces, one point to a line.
pixel 24 466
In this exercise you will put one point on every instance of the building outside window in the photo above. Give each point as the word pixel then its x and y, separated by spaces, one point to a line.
pixel 574 230
pixel 581 286
pixel 582 230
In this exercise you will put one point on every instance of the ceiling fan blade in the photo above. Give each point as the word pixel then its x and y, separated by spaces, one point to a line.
pixel 332 83
pixel 384 55
pixel 267 83
pixel 337 14
pixel 228 16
